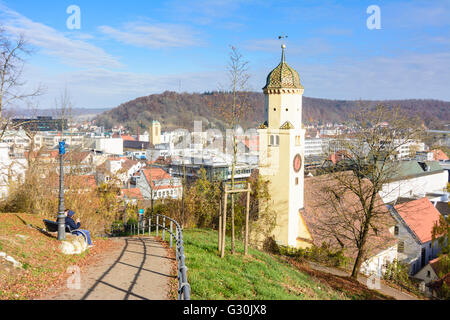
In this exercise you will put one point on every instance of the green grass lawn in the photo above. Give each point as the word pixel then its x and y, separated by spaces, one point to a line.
pixel 259 276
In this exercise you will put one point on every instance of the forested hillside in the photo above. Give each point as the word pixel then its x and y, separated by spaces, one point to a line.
pixel 176 110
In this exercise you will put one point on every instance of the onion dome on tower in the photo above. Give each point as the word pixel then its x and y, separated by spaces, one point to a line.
pixel 283 76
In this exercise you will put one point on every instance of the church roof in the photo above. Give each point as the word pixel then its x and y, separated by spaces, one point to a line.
pixel 283 76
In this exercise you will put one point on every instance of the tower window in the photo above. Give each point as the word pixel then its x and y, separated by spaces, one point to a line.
pixel 296 181
pixel 274 140
pixel 274 109
pixel 287 109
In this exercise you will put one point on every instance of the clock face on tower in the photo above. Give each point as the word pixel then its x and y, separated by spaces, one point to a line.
pixel 297 163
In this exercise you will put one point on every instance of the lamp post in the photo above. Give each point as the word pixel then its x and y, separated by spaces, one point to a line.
pixel 61 215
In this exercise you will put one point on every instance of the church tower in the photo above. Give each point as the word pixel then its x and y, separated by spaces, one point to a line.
pixel 282 141
pixel 155 133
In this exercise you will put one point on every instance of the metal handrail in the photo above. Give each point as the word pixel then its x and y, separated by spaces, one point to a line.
pixel 184 288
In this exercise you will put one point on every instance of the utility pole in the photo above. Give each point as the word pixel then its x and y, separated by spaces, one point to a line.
pixel 61 215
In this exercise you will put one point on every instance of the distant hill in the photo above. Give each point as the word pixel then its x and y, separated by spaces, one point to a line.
pixel 175 110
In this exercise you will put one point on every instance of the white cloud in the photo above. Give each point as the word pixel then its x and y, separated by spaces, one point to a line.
pixel 71 51
pixel 143 34
pixel 100 87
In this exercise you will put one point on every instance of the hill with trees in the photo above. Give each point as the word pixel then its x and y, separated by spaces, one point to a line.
pixel 179 110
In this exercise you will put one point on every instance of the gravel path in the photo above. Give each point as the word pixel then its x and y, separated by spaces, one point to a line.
pixel 139 269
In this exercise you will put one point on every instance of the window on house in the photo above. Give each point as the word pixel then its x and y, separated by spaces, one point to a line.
pixel 396 230
pixel 278 140
pixel 428 274
pixel 401 247
pixel 271 140
pixel 296 181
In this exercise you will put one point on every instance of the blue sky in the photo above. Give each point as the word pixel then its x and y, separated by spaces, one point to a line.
pixel 127 49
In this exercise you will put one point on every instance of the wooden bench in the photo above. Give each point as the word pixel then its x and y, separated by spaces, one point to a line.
pixel 52 226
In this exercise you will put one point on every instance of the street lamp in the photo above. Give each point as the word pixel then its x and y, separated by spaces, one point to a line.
pixel 61 215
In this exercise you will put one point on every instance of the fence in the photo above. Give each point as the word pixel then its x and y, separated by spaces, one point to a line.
pixel 184 289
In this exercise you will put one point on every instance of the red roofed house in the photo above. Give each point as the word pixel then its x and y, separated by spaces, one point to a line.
pixel 131 195
pixel 415 221
pixel 439 155
pixel 325 225
pixel 78 184
pixel 431 272
pixel 158 182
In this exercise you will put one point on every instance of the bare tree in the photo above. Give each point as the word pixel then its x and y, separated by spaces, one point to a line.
pixel 232 111
pixel 370 153
pixel 12 52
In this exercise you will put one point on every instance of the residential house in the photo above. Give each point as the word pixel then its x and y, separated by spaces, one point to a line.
pixel 155 183
pixel 132 195
pixel 120 169
pixel 414 179
pixel 431 272
pixel 415 221
pixel 11 169
pixel 319 212
pixel 439 155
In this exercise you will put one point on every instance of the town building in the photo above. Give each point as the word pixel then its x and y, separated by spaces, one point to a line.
pixel 324 225
pixel 155 184
pixel 155 132
pixel 281 157
pixel 11 169
pixel 41 123
pixel 415 221
pixel 414 179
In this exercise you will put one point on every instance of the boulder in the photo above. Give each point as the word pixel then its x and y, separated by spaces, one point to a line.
pixel 73 245
pixel 10 259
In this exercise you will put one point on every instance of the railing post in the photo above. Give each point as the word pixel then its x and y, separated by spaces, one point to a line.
pixel 157 225
pixel 164 229
pixel 171 233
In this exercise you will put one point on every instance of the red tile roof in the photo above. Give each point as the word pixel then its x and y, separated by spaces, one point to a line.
pixel 74 182
pixel 439 155
pixel 156 174
pixel 325 222
pixel 436 265
pixel 133 193
pixel 127 138
pixel 420 216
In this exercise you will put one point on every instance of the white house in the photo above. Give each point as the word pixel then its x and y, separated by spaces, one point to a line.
pixel 415 221
pixel 121 168
pixel 11 169
pixel 105 145
pixel 428 274
pixel 414 179
pixel 158 182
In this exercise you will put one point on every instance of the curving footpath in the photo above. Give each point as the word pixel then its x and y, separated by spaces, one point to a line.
pixel 139 270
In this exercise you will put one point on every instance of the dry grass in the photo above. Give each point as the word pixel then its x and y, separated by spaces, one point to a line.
pixel 44 266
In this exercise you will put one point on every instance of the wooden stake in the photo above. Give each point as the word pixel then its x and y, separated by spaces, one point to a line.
pixel 219 246
pixel 247 214
pixel 224 223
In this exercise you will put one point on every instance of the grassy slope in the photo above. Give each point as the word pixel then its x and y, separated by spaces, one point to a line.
pixel 260 276
pixel 44 265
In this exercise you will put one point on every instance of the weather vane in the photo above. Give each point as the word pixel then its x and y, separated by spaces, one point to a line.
pixel 283 46
pixel 283 37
